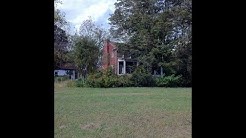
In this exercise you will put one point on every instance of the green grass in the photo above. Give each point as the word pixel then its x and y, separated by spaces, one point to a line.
pixel 123 113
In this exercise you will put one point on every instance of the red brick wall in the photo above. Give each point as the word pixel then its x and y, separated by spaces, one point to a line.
pixel 109 56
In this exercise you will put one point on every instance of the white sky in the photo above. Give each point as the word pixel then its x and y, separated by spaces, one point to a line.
pixel 76 11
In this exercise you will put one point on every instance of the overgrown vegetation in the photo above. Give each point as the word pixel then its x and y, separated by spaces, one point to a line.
pixel 104 79
pixel 139 78
pixel 61 78
pixel 168 81
pixel 156 33
pixel 142 78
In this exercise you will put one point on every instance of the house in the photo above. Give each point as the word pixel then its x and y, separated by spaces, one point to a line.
pixel 66 69
pixel 114 58
pixel 122 62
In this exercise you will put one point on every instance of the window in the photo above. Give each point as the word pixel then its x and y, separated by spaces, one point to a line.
pixel 121 67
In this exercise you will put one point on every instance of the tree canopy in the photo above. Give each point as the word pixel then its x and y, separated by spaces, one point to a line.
pixel 157 33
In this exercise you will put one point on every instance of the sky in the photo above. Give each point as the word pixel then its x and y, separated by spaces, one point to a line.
pixel 76 11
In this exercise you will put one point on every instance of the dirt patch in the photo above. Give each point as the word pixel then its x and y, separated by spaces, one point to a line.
pixel 89 126
pixel 62 126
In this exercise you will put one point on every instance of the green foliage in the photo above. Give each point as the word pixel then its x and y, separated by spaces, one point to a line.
pixel 93 80
pixel 85 55
pixel 61 78
pixel 157 32
pixel 80 83
pixel 168 81
pixel 124 81
pixel 141 78
pixel 60 36
pixel 107 79
pixel 103 79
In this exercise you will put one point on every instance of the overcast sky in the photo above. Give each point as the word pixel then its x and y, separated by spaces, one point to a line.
pixel 76 11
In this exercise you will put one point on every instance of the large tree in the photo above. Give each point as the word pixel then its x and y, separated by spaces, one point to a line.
pixel 156 32
pixel 146 26
pixel 183 43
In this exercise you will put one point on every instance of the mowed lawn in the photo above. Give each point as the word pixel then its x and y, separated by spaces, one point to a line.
pixel 123 113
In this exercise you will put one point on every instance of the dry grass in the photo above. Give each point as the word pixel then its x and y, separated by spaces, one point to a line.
pixel 59 86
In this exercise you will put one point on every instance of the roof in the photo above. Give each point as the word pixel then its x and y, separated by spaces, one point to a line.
pixel 67 66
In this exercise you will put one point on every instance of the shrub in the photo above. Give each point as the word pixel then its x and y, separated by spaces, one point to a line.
pixel 93 80
pixel 80 83
pixel 168 81
pixel 103 79
pixel 124 81
pixel 141 78
pixel 109 81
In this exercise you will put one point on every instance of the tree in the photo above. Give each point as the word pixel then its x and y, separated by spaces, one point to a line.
pixel 156 32
pixel 90 30
pixel 183 44
pixel 60 37
pixel 85 55
pixel 60 46
pixel 147 27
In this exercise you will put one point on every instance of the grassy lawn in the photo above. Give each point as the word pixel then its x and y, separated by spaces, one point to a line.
pixel 123 113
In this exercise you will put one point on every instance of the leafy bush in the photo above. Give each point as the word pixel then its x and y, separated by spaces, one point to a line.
pixel 93 80
pixel 103 79
pixel 168 81
pixel 124 81
pixel 80 83
pixel 141 78
pixel 109 81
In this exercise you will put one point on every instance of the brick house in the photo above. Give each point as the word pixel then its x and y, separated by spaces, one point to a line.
pixel 112 57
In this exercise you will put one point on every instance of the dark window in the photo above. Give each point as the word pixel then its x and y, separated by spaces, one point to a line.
pixel 121 66
pixel 130 67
